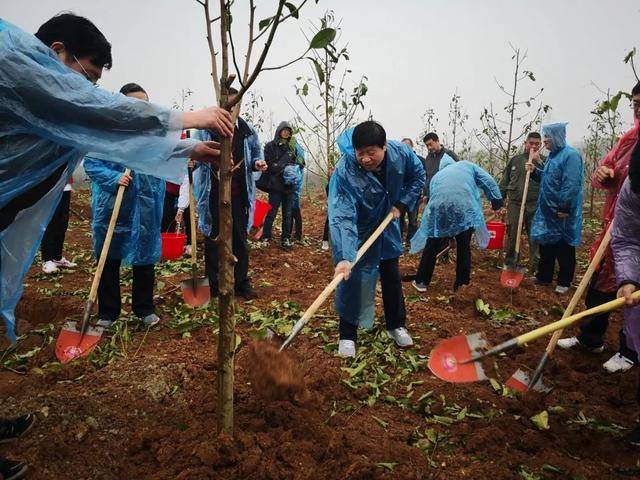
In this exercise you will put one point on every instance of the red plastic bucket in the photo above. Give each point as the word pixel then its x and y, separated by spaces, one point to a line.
pixel 496 234
pixel 172 245
pixel 262 208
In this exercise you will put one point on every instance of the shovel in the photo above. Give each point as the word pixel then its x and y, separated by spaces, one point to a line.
pixel 195 291
pixel 334 283
pixel 511 277
pixel 586 279
pixel 455 359
pixel 73 343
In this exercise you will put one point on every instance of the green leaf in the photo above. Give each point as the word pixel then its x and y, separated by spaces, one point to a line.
pixel 305 89
pixel 541 420
pixel 264 23
pixel 482 307
pixel 292 9
pixel 387 465
pixel 630 55
pixel 495 384
pixel 323 38
pixel 319 70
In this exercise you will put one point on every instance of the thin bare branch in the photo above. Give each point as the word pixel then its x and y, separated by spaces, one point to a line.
pixel 212 50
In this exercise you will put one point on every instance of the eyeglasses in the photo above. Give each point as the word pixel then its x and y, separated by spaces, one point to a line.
pixel 86 74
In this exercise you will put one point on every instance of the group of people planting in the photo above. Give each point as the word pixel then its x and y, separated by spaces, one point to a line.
pixel 54 116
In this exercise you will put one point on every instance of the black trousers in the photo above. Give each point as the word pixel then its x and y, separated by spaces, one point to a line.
pixel 463 259
pixel 109 303
pixel 565 255
pixel 239 245
pixel 169 211
pixel 395 314
pixel 53 239
pixel 296 221
pixel 412 220
pixel 325 233
pixel 275 199
pixel 593 328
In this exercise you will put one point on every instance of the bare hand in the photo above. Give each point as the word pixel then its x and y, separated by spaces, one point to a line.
pixel 529 166
pixel 603 173
pixel 179 216
pixel 396 212
pixel 343 267
pixel 261 166
pixel 208 152
pixel 627 291
pixel 534 156
pixel 562 215
pixel 210 118
pixel 125 180
pixel 191 164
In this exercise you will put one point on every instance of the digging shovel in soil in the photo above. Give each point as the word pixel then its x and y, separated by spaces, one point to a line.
pixel 195 291
pixel 457 359
pixel 73 342
pixel 511 277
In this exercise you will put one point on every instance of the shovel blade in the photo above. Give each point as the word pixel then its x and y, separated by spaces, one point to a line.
pixel 196 293
pixel 445 361
pixel 512 277
pixel 520 380
pixel 72 344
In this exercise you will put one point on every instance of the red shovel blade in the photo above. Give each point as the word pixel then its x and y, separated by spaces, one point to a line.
pixel 520 380
pixel 511 278
pixel 445 359
pixel 198 296
pixel 70 344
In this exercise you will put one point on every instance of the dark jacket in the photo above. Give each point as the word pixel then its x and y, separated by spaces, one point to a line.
pixel 512 183
pixel 278 156
pixel 432 166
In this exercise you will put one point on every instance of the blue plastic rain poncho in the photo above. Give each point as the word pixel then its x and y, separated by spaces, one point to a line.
pixel 561 182
pixel 455 204
pixel 136 238
pixel 202 179
pixel 51 117
pixel 299 175
pixel 358 203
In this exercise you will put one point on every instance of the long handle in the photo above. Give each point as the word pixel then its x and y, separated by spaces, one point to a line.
pixel 584 283
pixel 192 218
pixel 334 283
pixel 523 204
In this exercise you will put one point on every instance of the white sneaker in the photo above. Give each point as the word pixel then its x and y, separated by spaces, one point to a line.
pixel 150 320
pixel 617 364
pixel 421 287
pixel 104 323
pixel 64 263
pixel 573 342
pixel 49 267
pixel 187 250
pixel 347 348
pixel 325 245
pixel 562 290
pixel 401 337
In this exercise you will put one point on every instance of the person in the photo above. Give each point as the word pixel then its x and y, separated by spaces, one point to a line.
pixel 373 177
pixel 557 223
pixel 247 155
pixel 174 214
pixel 432 162
pixel 53 238
pixel 512 189
pixel 625 244
pixel 325 232
pixel 12 429
pixel 136 238
pixel 282 155
pixel 53 114
pixel 609 176
pixel 454 211
pixel 296 211
pixel 412 213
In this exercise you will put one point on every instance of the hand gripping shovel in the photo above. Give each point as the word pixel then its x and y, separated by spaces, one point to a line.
pixel 451 359
pixel 511 277
pixel 195 291
pixel 584 283
pixel 73 343
pixel 334 283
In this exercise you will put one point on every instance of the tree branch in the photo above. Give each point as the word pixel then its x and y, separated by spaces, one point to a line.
pixel 212 51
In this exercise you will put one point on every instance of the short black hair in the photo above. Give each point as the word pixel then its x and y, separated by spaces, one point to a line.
pixel 430 136
pixel 407 138
pixel 80 37
pixel 636 89
pixel 368 134
pixel 534 135
pixel 132 88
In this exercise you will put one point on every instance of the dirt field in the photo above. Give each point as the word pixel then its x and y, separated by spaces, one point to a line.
pixel 144 405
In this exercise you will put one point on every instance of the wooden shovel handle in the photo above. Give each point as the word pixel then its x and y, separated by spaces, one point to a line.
pixel 93 293
pixel 523 204
pixel 192 218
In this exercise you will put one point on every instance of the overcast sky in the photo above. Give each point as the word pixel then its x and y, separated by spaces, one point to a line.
pixel 414 52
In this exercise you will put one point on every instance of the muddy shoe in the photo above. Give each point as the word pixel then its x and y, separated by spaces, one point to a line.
pixel 617 364
pixel 325 245
pixel 421 287
pixel 105 323
pixel 49 267
pixel 347 348
pixel 562 290
pixel 287 244
pixel 13 428
pixel 247 293
pixel 64 263
pixel 401 337
pixel 11 470
pixel 573 342
pixel 150 320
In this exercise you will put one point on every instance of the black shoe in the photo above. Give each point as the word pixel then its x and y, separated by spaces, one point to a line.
pixel 286 244
pixel 10 470
pixel 634 437
pixel 13 428
pixel 247 293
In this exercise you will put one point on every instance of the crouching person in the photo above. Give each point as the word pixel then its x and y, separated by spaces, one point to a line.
pixel 136 238
pixel 374 177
